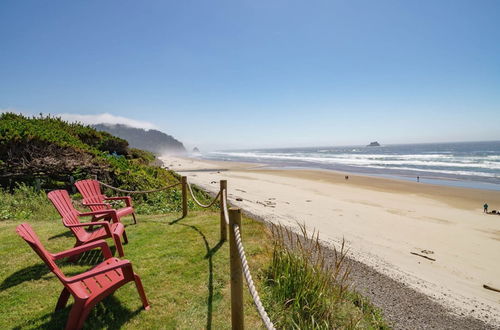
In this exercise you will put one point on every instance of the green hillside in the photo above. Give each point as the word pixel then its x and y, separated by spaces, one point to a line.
pixel 49 152
pixel 44 153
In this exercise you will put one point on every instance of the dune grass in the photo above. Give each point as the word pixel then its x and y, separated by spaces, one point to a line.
pixel 183 266
pixel 307 290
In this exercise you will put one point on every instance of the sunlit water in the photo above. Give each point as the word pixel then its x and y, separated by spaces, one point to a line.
pixel 470 164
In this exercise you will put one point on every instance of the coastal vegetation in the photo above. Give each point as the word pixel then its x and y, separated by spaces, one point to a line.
pixel 183 265
pixel 307 290
pixel 47 153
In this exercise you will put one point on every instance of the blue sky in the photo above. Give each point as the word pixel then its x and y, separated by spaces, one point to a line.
pixel 236 74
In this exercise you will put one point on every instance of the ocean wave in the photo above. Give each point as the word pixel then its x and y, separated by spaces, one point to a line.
pixel 425 162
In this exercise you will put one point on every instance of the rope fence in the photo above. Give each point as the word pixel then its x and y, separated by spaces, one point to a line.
pixel 248 277
pixel 239 263
pixel 216 198
pixel 233 219
pixel 138 191
pixel 224 208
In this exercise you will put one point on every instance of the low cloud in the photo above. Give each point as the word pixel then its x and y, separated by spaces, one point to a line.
pixel 105 118
pixel 101 118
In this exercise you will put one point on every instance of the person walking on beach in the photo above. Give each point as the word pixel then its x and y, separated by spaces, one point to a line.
pixel 485 208
pixel 418 179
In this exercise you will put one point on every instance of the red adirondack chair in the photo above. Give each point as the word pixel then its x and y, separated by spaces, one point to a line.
pixel 94 198
pixel 70 218
pixel 90 287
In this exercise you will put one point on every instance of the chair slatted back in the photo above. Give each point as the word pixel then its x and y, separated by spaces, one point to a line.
pixel 62 202
pixel 91 193
pixel 28 234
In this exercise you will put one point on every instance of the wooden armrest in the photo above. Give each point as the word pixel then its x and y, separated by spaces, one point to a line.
pixel 94 272
pixel 127 199
pixel 107 205
pixel 100 212
pixel 86 247
pixel 106 225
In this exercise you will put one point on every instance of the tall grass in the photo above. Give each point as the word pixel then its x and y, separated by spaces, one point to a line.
pixel 307 290
pixel 25 203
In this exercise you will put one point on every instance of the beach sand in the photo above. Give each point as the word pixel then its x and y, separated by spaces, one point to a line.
pixel 383 222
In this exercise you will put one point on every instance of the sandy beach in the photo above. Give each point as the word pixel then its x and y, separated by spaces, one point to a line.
pixel 396 227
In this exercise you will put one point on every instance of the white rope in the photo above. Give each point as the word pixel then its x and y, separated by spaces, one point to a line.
pixel 198 202
pixel 248 277
pixel 224 206
pixel 137 191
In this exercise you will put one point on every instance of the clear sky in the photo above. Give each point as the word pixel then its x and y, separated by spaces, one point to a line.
pixel 226 74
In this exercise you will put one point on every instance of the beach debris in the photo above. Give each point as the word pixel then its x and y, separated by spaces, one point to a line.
pixel 427 251
pixel 240 190
pixel 267 204
pixel 423 256
pixel 239 199
pixel 308 200
pixel 212 182
pixel 490 288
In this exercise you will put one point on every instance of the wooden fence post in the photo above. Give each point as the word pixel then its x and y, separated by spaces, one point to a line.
pixel 223 224
pixel 184 196
pixel 237 318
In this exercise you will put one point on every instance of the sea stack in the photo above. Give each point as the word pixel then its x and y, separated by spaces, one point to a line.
pixel 374 144
pixel 195 149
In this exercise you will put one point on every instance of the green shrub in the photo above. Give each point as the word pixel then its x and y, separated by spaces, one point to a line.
pixel 25 203
pixel 50 152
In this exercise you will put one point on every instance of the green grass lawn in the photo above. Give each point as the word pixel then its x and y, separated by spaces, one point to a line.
pixel 183 267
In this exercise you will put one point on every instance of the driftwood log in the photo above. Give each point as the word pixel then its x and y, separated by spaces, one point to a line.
pixel 421 255
pixel 490 288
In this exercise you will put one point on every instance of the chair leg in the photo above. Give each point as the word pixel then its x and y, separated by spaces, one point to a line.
pixel 83 316
pixel 125 239
pixel 118 245
pixel 63 299
pixel 142 294
pixel 133 216
pixel 75 315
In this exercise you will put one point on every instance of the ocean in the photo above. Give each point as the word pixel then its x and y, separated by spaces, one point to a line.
pixel 466 164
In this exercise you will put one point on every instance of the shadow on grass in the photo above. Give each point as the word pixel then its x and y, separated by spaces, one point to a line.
pixel 36 272
pixel 109 314
pixel 173 222
pixel 65 234
pixel 208 256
